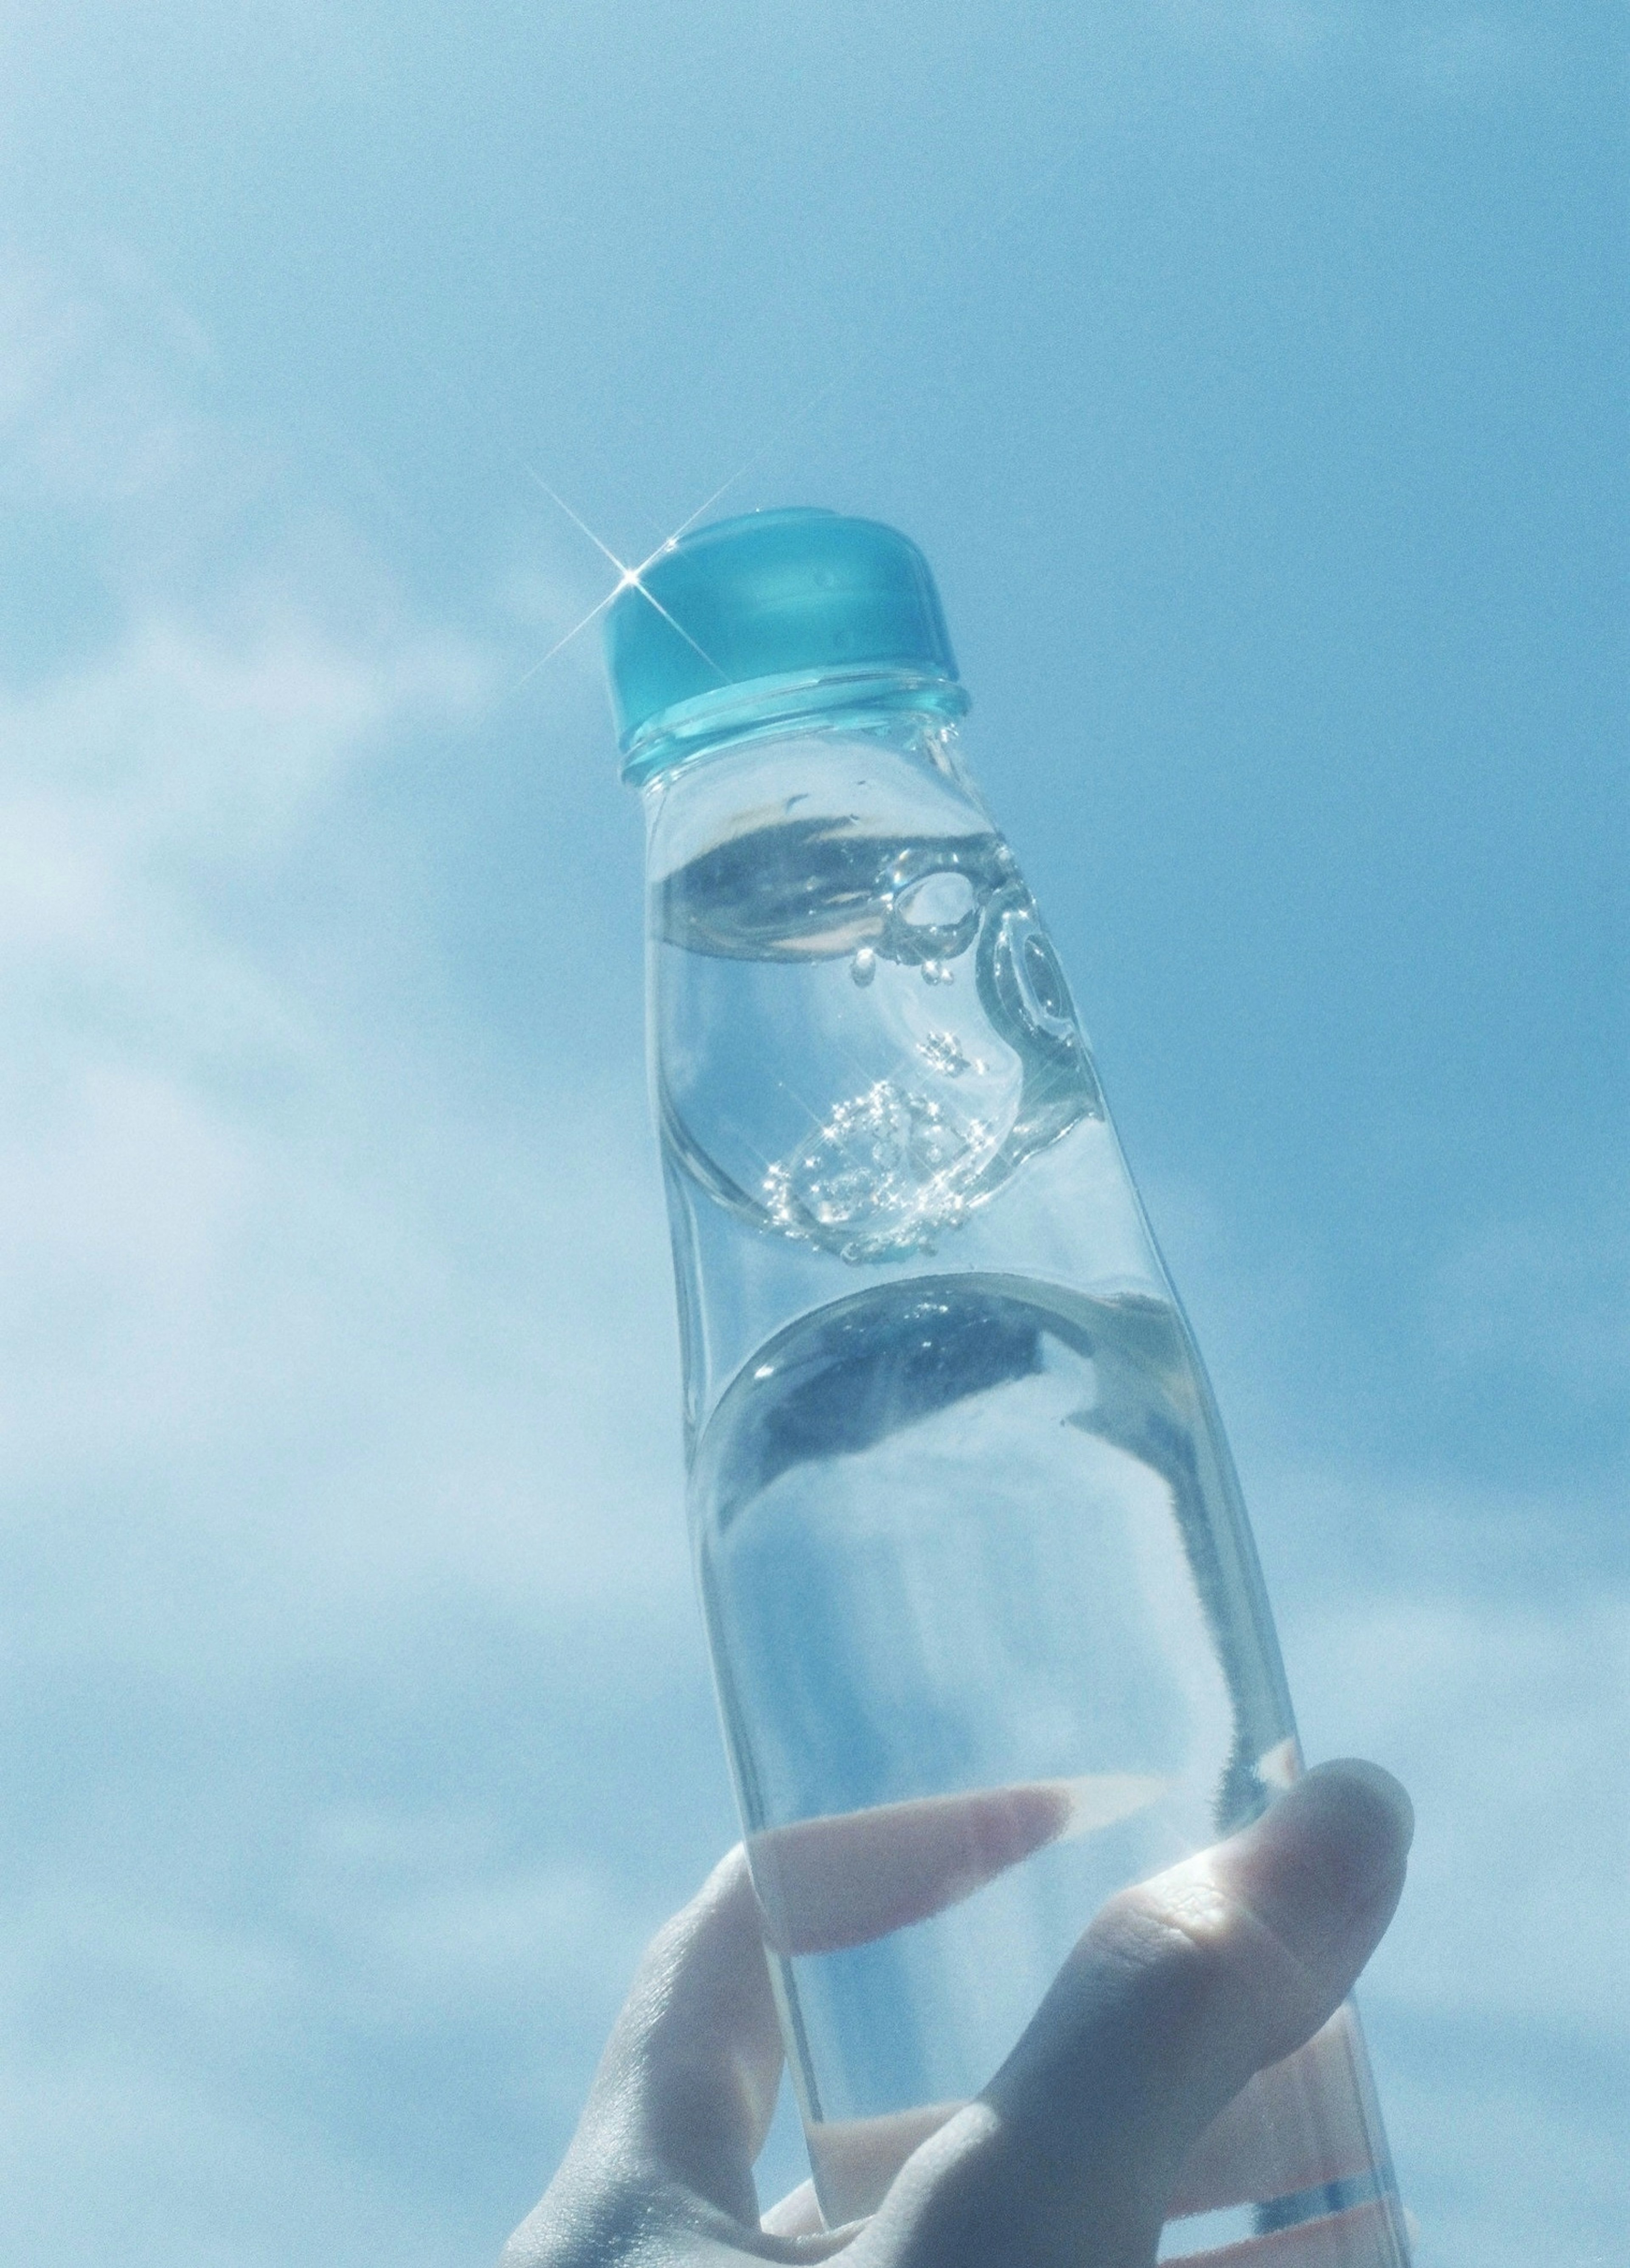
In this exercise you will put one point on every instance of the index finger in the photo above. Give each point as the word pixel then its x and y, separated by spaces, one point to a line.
pixel 848 1877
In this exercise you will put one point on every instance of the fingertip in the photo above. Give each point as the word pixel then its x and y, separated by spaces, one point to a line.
pixel 1360 1817
pixel 1324 1867
pixel 1357 1783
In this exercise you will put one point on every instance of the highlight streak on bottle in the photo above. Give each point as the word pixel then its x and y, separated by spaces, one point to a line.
pixel 824 1884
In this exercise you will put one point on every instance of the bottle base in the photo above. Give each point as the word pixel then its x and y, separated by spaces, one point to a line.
pixel 1347 2225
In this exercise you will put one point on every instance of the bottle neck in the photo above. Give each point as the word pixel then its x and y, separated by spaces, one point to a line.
pixel 736 714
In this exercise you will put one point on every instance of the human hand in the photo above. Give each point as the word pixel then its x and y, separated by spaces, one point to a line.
pixel 1181 1990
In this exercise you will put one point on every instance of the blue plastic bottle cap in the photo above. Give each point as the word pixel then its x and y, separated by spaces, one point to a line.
pixel 772 595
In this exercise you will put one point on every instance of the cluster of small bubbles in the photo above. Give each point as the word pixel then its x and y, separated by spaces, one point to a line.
pixel 888 1171
pixel 863 968
pixel 938 972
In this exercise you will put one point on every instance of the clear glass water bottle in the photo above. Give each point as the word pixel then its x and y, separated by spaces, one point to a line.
pixel 986 1622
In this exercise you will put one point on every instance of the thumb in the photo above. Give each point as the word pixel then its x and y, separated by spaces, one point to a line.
pixel 1182 1989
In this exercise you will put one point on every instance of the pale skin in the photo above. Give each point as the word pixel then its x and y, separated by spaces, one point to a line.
pixel 1180 1990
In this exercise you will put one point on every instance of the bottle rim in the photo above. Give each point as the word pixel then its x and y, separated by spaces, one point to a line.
pixel 730 714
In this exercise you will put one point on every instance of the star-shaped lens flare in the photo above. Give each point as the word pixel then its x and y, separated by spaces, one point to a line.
pixel 988 227
pixel 629 578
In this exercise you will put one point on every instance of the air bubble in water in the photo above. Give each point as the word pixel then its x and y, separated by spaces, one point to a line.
pixel 942 1051
pixel 935 972
pixel 863 968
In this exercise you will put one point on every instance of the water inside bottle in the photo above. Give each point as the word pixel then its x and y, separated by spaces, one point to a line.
pixel 984 1613
pixel 865 1035
pixel 986 1627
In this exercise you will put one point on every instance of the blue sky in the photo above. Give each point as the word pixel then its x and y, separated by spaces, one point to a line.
pixel 1253 376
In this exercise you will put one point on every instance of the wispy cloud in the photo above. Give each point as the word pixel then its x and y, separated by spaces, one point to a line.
pixel 1547 1297
pixel 315 1392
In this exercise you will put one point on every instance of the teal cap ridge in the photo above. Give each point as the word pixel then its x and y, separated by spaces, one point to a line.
pixel 795 595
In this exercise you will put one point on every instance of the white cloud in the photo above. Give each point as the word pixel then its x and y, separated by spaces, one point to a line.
pixel 241 1232
pixel 99 378
pixel 244 1239
pixel 1507 2158
pixel 1547 1298
pixel 104 2160
pixel 304 1358
pixel 1509 1718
